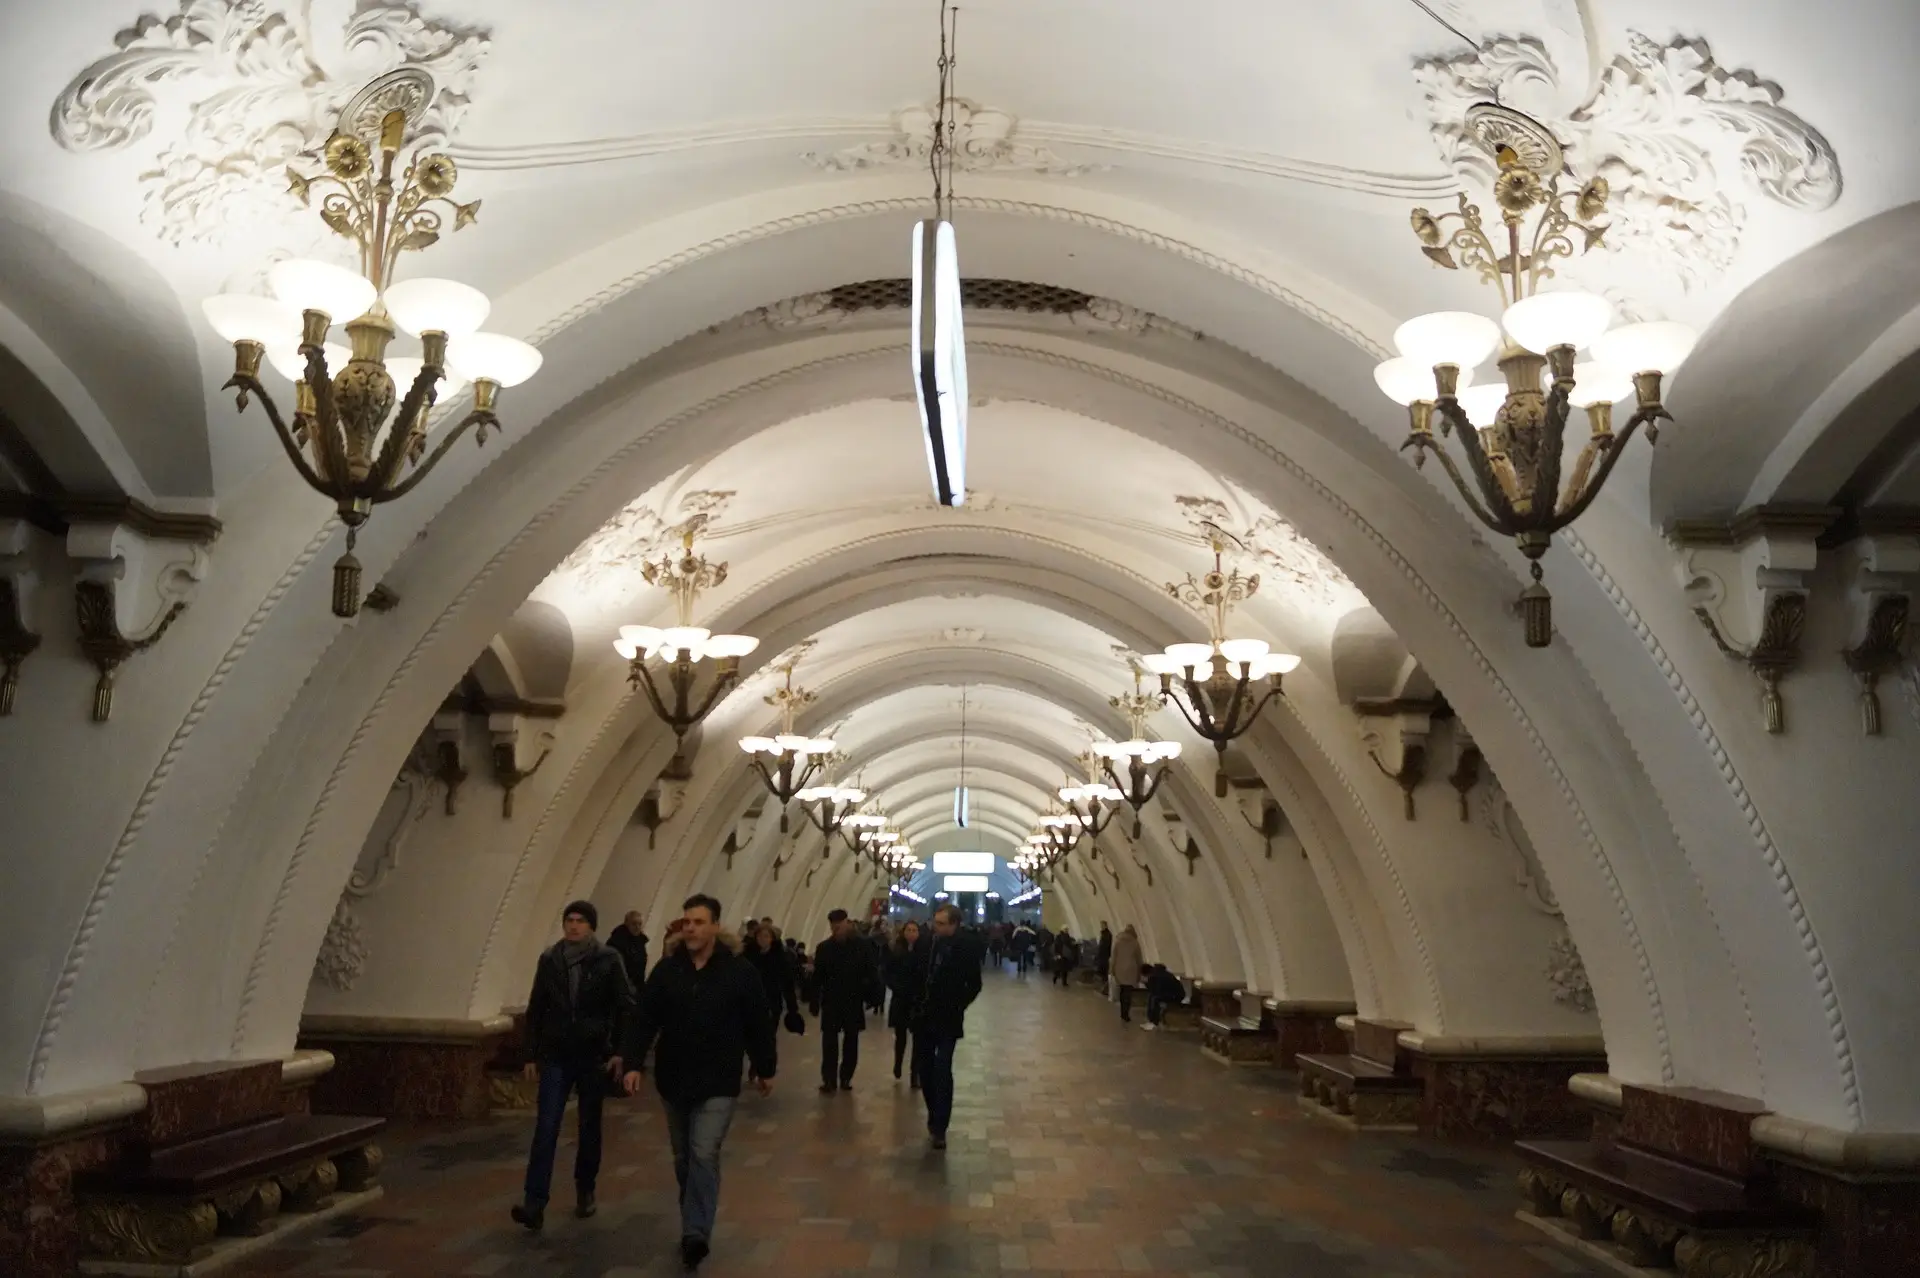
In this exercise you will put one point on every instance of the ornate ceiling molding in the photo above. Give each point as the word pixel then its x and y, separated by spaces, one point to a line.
pixel 1283 553
pixel 258 82
pixel 1668 127
pixel 1567 974
pixel 984 141
pixel 639 532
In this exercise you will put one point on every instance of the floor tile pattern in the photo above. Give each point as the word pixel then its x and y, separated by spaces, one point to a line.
pixel 1079 1146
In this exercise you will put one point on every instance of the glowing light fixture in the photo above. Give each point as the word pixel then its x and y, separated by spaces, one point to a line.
pixel 954 883
pixel 939 338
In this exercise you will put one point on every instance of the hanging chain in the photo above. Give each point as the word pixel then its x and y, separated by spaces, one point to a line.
pixel 945 117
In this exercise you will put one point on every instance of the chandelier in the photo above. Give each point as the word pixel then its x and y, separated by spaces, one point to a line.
pixel 1147 761
pixel 344 397
pixel 1512 435
pixel 794 758
pixel 1216 690
pixel 683 646
pixel 939 338
pixel 831 807
pixel 1092 802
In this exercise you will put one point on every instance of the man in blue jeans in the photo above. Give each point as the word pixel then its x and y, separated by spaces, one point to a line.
pixel 946 977
pixel 705 1006
pixel 576 1013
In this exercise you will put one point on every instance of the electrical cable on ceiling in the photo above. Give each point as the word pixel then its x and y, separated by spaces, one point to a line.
pixel 945 116
pixel 1428 9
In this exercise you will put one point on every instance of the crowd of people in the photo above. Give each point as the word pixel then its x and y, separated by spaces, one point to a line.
pixel 708 1014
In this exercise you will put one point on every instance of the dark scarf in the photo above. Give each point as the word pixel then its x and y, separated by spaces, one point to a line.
pixel 574 954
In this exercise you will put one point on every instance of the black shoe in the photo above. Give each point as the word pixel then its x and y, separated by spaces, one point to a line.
pixel 939 1142
pixel 827 1088
pixel 585 1207
pixel 693 1251
pixel 846 1084
pixel 532 1217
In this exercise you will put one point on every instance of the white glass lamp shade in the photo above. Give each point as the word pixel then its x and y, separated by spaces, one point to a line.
pixel 729 645
pixel 1658 346
pixel 1279 663
pixel 758 745
pixel 1102 791
pixel 641 636
pixel 292 365
pixel 1160 663
pixel 1403 380
pixel 1190 655
pixel 1071 793
pixel 307 285
pixel 790 742
pixel 1482 403
pixel 1243 650
pixel 820 746
pixel 1108 749
pixel 438 306
pixel 847 796
pixel 405 368
pixel 1597 383
pixel 506 361
pixel 1166 749
pixel 1546 320
pixel 242 317
pixel 814 793
pixel 1460 338
pixel 627 649
pixel 688 639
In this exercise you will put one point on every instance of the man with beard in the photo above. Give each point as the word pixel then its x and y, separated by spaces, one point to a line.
pixel 704 1005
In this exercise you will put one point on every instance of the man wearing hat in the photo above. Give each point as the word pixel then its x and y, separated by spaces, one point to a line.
pixel 580 1005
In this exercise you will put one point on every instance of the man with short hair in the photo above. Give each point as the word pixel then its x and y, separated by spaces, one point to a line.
pixel 1103 956
pixel 844 978
pixel 578 1009
pixel 631 943
pixel 946 976
pixel 705 1006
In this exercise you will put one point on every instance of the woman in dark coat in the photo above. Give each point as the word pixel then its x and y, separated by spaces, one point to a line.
pixel 899 974
pixel 775 968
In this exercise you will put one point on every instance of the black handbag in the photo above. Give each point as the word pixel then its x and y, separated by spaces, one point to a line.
pixel 795 1023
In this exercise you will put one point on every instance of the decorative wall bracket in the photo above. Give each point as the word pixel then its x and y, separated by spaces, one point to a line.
pixel 672 783
pixel 649 815
pixel 1262 812
pixel 449 733
pixel 1880 600
pixel 780 861
pixel 17 586
pixel 730 848
pixel 129 589
pixel 506 730
pixel 1399 726
pixel 1192 852
pixel 1144 868
pixel 1467 763
pixel 1747 581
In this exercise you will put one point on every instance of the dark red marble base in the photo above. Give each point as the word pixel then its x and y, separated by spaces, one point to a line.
pixel 1313 1033
pixel 399 1079
pixel 1869 1226
pixel 39 1224
pixel 1708 1129
pixel 199 1100
pixel 1220 1000
pixel 1497 1101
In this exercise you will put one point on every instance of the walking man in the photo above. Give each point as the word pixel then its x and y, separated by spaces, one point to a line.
pixel 1126 969
pixel 703 1003
pixel 948 979
pixel 580 1004
pixel 631 943
pixel 1103 956
pixel 844 980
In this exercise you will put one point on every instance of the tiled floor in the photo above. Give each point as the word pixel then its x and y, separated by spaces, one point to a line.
pixel 1079 1146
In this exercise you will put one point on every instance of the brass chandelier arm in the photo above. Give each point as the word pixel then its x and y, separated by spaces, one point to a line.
pixel 408 418
pixel 1617 446
pixel 478 416
pixel 1499 502
pixel 329 448
pixel 250 386
pixel 1429 448
pixel 1546 459
pixel 638 673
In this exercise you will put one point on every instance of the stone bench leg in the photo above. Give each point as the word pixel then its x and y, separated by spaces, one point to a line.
pixel 248 1210
pixel 149 1229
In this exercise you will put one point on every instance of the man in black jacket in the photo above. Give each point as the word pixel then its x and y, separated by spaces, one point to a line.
pixel 947 976
pixel 844 979
pixel 631 942
pixel 704 1005
pixel 579 1007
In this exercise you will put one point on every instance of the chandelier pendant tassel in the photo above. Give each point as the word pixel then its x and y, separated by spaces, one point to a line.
pixel 1536 611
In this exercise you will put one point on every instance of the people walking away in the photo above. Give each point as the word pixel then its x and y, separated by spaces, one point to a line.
pixel 843 979
pixel 1126 969
pixel 899 978
pixel 946 980
pixel 704 1005
pixel 1066 953
pixel 580 1006
pixel 1103 955
pixel 877 937
pixel 1024 942
pixel 630 942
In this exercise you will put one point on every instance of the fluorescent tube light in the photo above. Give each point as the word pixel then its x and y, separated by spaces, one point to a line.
pixel 940 358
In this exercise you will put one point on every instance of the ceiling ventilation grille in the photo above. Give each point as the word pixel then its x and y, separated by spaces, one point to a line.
pixel 979 295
